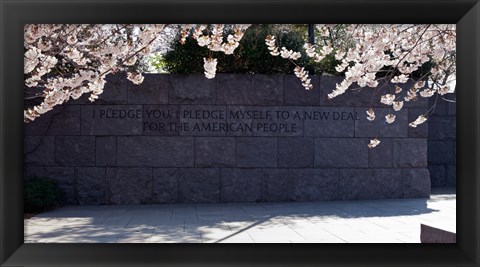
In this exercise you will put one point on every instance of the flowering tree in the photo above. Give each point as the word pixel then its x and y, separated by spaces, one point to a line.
pixel 63 62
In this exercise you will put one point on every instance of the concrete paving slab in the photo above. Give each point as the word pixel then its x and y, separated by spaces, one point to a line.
pixel 363 221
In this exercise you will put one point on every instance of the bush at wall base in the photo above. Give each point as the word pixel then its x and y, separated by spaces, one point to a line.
pixel 41 194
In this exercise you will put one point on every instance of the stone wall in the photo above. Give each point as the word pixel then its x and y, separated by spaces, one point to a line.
pixel 442 144
pixel 235 138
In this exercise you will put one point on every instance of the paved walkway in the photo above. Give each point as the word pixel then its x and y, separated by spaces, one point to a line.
pixel 367 221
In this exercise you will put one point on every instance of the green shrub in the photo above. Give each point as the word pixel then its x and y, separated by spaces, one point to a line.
pixel 252 56
pixel 41 194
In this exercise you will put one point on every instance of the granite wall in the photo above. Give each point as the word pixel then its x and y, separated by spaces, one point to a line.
pixel 442 144
pixel 235 138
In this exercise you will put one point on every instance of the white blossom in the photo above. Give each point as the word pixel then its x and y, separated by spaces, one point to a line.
pixel 387 99
pixel 373 143
pixel 402 78
pixel 397 105
pixel 443 90
pixel 130 61
pixel 135 77
pixel 421 119
pixel 371 115
pixel 203 40
pixel 72 39
pixel 411 95
pixel 419 85
pixel 427 93
pixel 210 66
pixel 302 74
pixel 31 59
pixel 390 118
pixel 317 56
pixel 289 54
pixel 270 42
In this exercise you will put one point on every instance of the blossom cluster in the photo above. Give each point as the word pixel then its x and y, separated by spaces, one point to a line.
pixel 213 38
pixel 300 72
pixel 402 49
pixel 284 53
pixel 66 61
pixel 317 56
pixel 364 51
pixel 210 66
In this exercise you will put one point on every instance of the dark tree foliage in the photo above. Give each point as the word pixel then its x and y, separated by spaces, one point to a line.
pixel 252 56
pixel 41 194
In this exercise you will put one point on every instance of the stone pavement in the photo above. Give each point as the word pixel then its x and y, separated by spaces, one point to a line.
pixel 362 221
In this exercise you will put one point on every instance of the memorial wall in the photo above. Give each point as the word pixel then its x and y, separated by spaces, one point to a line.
pixel 235 138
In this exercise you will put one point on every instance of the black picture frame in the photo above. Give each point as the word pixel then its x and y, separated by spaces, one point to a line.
pixel 14 14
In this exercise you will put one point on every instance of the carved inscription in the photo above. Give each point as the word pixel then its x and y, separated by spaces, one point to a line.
pixel 199 119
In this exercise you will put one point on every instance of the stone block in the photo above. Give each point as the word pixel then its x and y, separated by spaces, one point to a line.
pixel 161 120
pixel 106 151
pixel 296 95
pixel 241 120
pixel 115 90
pixel 442 128
pixel 215 152
pixel 155 151
pixel 258 89
pixel 129 186
pixel 451 108
pixel 441 152
pixel 370 183
pixel 38 151
pixel 277 121
pixel 241 185
pixel 90 186
pixel 202 120
pixel 75 151
pixel 451 175
pixel 379 127
pixel 65 177
pixel 62 120
pixel 191 89
pixel 416 183
pixel 438 175
pixel 256 152
pixel 112 120
pixel 153 90
pixel 329 122
pixel 410 153
pixel 341 152
pixel 429 234
pixel 382 155
pixel 440 108
pixel 165 185
pixel 421 131
pixel 276 184
pixel 313 184
pixel 199 185
pixel 295 152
